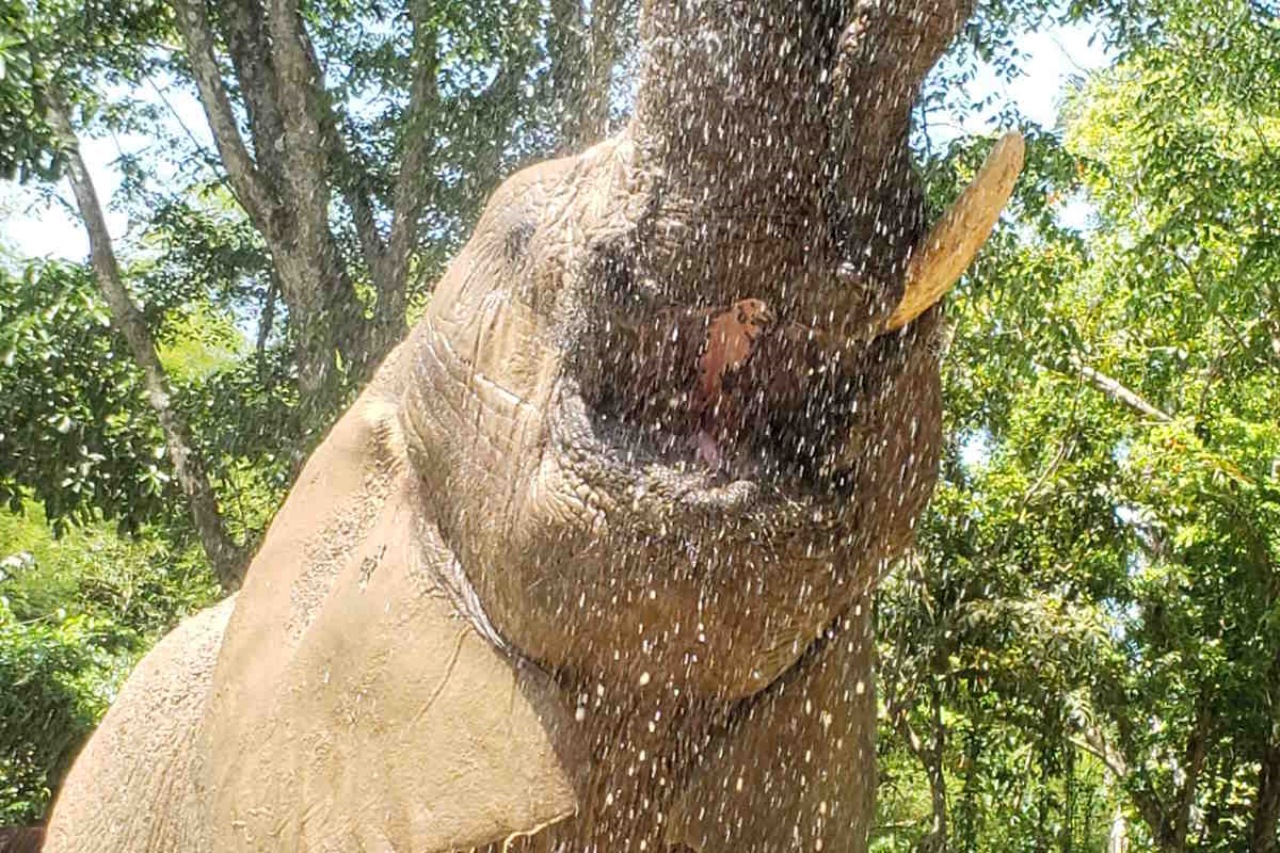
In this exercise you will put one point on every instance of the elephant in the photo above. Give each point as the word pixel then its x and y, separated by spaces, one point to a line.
pixel 510 602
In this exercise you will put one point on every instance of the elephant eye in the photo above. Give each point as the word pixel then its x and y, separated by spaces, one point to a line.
pixel 517 240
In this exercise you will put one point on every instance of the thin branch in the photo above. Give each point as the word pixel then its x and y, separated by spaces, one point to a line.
pixel 1193 764
pixel 224 556
pixel 1094 742
pixel 1235 279
pixel 1266 810
pixel 371 243
pixel 1118 392
pixel 606 17
pixel 173 113
pixel 349 174
pixel 408 197
pixel 266 322
pixel 1099 750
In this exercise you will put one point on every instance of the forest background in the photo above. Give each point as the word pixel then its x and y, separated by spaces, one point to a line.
pixel 1083 650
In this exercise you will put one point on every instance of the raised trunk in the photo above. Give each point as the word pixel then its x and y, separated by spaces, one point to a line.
pixel 224 556
pixel 779 138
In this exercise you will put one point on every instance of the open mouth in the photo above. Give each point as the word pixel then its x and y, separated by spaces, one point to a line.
pixel 719 406
pixel 725 400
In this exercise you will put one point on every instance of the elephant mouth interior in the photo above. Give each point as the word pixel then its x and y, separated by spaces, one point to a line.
pixel 784 418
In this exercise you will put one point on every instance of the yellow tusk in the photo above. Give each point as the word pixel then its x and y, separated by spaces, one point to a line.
pixel 937 264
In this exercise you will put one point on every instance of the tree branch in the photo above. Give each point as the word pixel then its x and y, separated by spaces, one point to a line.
pixel 349 176
pixel 1140 789
pixel 306 154
pixel 351 187
pixel 250 51
pixel 1118 392
pixel 606 16
pixel 246 181
pixel 226 559
pixel 1095 743
pixel 1193 764
pixel 408 195
pixel 1266 810
pixel 567 35
pixel 266 322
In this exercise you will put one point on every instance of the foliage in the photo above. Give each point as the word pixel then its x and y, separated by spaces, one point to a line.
pixel 60 49
pixel 76 432
pixel 1095 597
pixel 75 615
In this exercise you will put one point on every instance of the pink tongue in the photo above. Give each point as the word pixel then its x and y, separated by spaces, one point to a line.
pixel 708 450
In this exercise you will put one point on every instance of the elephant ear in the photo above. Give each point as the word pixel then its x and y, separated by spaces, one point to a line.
pixel 353 707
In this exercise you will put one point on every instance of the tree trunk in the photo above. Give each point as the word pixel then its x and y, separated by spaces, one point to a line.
pixel 1266 811
pixel 294 161
pixel 1169 820
pixel 285 186
pixel 1118 832
pixel 225 557
pixel 931 758
pixel 1192 765
pixel 584 47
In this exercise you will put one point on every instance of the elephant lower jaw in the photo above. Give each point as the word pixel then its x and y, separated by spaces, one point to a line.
pixel 617 551
pixel 711 582
pixel 645 469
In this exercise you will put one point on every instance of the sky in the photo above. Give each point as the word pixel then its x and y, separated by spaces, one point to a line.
pixel 35 227
pixel 1055 56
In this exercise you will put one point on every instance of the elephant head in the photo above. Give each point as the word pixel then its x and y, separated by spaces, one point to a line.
pixel 548 419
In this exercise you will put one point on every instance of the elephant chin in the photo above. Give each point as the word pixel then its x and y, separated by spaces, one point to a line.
pixel 631 554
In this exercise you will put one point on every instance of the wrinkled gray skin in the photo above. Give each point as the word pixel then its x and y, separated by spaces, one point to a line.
pixel 505 604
